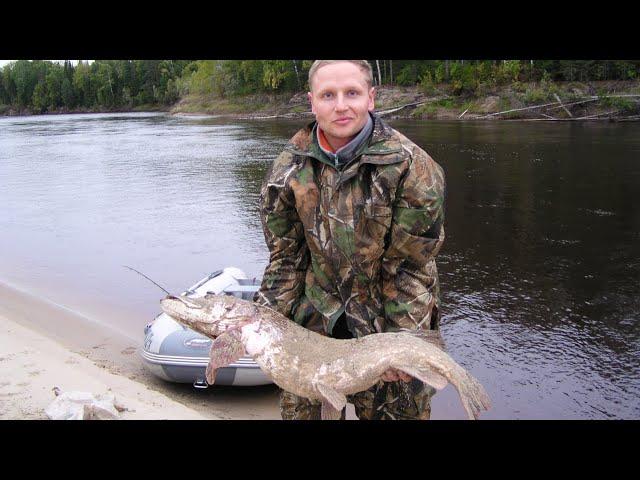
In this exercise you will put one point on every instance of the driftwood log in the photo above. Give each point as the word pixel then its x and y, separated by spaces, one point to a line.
pixel 560 104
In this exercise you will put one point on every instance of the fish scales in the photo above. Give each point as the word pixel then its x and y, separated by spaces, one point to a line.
pixel 315 366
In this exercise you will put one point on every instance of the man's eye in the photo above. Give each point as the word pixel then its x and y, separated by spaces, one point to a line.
pixel 353 93
pixel 327 95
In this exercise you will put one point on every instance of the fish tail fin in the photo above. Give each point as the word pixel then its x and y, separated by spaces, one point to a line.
pixel 473 396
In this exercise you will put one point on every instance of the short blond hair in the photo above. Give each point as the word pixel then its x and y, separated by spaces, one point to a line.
pixel 363 65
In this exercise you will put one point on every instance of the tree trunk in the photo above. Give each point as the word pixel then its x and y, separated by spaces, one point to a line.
pixel 109 78
pixel 379 78
pixel 295 67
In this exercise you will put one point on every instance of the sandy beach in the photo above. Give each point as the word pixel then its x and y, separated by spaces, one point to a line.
pixel 31 365
pixel 45 345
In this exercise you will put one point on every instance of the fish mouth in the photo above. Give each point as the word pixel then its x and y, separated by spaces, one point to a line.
pixel 184 301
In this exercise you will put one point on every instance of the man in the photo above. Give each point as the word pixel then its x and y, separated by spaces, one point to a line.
pixel 353 215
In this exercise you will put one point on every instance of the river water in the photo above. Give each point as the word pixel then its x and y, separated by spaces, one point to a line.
pixel 540 270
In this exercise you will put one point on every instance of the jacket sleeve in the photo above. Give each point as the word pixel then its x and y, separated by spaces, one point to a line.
pixel 410 288
pixel 283 279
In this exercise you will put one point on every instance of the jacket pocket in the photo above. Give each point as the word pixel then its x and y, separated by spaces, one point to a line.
pixel 376 227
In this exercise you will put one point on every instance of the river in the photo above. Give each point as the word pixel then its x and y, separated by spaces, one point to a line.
pixel 540 270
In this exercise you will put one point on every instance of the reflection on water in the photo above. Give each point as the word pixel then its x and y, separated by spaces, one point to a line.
pixel 539 271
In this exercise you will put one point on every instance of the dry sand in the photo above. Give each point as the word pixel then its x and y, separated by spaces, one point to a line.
pixel 31 365
pixel 45 344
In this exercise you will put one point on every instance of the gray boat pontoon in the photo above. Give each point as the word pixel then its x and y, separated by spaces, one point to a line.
pixel 176 353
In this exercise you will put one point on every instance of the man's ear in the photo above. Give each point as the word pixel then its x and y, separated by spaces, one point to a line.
pixel 372 99
pixel 310 97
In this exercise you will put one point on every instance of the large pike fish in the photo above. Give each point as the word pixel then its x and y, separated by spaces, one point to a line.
pixel 312 365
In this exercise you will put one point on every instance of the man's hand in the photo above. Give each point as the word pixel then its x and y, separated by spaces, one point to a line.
pixel 393 375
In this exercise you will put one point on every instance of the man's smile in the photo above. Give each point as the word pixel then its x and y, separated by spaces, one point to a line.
pixel 342 121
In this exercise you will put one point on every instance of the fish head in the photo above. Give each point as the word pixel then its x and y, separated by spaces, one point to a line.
pixel 210 315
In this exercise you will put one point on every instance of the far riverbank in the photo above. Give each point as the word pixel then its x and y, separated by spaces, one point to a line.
pixel 546 101
pixel 10 111
pixel 518 101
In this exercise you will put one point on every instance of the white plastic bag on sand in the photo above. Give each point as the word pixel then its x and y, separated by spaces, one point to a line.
pixel 83 406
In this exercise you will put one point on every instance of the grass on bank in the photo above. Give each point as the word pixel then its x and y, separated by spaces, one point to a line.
pixel 485 99
pixel 255 103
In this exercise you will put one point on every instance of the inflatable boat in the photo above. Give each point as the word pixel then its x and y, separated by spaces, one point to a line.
pixel 176 353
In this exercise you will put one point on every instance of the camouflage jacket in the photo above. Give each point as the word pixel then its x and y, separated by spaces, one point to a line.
pixel 361 240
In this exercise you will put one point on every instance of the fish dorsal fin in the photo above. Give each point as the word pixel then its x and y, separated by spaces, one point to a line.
pixel 434 337
pixel 429 377
pixel 225 349
pixel 430 336
pixel 336 399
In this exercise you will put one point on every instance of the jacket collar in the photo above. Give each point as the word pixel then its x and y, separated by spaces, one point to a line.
pixel 353 148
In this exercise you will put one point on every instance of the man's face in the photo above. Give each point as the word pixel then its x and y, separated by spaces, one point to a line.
pixel 340 99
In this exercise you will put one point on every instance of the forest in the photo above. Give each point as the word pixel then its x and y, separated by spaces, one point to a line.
pixel 41 86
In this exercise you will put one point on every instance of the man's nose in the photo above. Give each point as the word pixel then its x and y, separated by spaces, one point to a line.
pixel 340 103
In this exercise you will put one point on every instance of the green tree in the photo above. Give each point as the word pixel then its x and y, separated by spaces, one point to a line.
pixel 251 74
pixel 5 98
pixel 82 84
pixel 149 73
pixel 54 80
pixel 171 95
pixel 277 73
pixel 67 93
pixel 8 84
pixel 103 75
pixel 304 72
pixel 68 70
pixel 25 78
pixel 40 97
pixel 127 99
pixel 208 78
